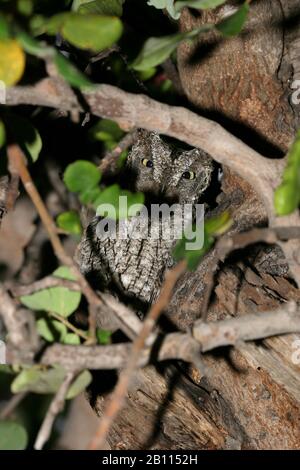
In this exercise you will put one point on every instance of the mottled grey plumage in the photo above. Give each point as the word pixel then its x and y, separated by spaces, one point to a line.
pixel 136 267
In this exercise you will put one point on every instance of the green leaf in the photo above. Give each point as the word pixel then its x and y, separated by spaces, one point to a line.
pixel 122 159
pixel 103 336
pixel 25 7
pixel 70 222
pixel 232 25
pixel 4 28
pixel 70 73
pixel 89 195
pixel 6 369
pixel 39 380
pixel 192 257
pixel 145 75
pixel 55 299
pixel 94 32
pixel 218 225
pixel 212 228
pixel 157 50
pixel 106 130
pixel 81 175
pixel 111 196
pixel 199 4
pixel 71 338
pixel 2 134
pixel 38 25
pixel 54 24
pixel 13 436
pixel 51 330
pixel 26 135
pixel 287 195
pixel 103 7
pixel 165 4
pixel 79 384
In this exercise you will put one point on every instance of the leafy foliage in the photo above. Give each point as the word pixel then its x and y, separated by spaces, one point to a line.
pixel 70 222
pixel 157 49
pixel 111 195
pixel 60 300
pixel 81 175
pixel 287 195
pixel 232 25
pixel 102 7
pixel 53 330
pixel 83 31
pixel 104 336
pixel 48 380
pixel 25 134
pixel 13 436
pixel 2 134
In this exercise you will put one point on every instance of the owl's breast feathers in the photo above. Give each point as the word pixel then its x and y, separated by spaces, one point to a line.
pixel 135 265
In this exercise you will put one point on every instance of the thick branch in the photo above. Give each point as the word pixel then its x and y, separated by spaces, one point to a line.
pixel 130 111
pixel 246 328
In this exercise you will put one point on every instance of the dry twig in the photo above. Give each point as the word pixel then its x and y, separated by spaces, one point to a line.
pixel 45 283
pixel 12 404
pixel 109 162
pixel 17 161
pixel 54 409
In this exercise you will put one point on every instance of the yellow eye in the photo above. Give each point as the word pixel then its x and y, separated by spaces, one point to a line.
pixel 147 163
pixel 189 175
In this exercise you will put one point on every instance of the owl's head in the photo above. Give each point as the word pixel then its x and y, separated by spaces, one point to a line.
pixel 160 168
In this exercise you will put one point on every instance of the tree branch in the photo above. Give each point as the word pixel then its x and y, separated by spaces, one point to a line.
pixel 132 111
pixel 248 327
pixel 54 409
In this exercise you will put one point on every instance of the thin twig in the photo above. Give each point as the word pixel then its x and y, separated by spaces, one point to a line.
pixel 17 161
pixel 12 404
pixel 45 283
pixel 119 393
pixel 69 325
pixel 110 160
pixel 54 409
pixel 13 189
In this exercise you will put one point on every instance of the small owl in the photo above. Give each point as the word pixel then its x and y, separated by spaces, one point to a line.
pixel 134 268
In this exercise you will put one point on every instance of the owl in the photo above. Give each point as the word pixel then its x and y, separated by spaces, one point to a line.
pixel 134 268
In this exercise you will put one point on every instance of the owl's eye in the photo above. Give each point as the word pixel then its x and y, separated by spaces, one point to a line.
pixel 147 163
pixel 189 175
